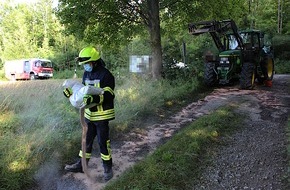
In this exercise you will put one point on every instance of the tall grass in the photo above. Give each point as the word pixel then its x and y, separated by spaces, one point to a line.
pixel 38 124
pixel 137 97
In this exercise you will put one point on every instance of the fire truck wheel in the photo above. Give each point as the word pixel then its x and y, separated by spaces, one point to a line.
pixel 13 78
pixel 32 77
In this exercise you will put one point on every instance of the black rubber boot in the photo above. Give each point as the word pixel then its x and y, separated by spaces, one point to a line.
pixel 108 172
pixel 76 167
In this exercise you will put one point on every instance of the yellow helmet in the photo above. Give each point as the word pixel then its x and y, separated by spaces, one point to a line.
pixel 88 54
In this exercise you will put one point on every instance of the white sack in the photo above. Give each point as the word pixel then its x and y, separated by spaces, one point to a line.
pixel 79 90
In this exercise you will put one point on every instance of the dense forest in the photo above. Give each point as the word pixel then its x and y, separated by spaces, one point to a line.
pixel 123 28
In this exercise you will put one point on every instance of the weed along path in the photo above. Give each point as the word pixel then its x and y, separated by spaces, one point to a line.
pixel 254 157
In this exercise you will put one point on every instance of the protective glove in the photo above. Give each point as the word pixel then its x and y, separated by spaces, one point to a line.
pixel 88 99
pixel 67 92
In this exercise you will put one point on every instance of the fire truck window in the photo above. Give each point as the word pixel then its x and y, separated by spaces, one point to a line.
pixel 38 64
pixel 26 66
pixel 46 64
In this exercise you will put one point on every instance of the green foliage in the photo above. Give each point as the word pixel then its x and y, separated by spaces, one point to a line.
pixel 286 17
pixel 173 53
pixel 66 49
pixel 174 68
pixel 140 45
pixel 116 59
pixel 281 46
pixel 109 24
pixel 172 167
pixel 2 74
pixel 36 32
pixel 282 66
pixel 263 16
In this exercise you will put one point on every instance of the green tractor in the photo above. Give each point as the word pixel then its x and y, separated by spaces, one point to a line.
pixel 242 55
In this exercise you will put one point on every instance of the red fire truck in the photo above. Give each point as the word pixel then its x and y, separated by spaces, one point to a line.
pixel 25 69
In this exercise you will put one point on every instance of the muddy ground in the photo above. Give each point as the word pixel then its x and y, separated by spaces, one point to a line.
pixel 255 157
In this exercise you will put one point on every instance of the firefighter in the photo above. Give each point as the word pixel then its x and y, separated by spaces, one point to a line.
pixel 97 117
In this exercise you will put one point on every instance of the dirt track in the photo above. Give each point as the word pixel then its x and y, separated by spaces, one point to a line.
pixel 253 158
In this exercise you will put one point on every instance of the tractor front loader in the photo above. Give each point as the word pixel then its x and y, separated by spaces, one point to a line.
pixel 242 54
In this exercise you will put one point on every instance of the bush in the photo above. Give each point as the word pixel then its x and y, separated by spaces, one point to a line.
pixel 2 75
pixel 282 66
pixel 281 46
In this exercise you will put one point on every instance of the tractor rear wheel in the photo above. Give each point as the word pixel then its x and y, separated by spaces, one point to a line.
pixel 270 68
pixel 210 76
pixel 247 78
pixel 267 70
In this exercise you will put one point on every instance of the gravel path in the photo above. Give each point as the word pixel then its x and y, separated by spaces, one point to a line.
pixel 255 157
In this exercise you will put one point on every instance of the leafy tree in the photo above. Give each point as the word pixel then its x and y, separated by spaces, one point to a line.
pixel 286 17
pixel 26 30
pixel 15 36
pixel 114 22
pixel 34 31
pixel 263 14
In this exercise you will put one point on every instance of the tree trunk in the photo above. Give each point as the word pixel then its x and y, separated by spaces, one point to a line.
pixel 280 12
pixel 155 38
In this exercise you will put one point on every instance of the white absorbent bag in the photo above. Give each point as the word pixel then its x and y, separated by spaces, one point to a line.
pixel 79 91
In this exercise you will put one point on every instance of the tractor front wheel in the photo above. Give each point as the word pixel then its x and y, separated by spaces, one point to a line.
pixel 210 76
pixel 247 78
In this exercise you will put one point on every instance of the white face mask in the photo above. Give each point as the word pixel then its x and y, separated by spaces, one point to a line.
pixel 88 67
